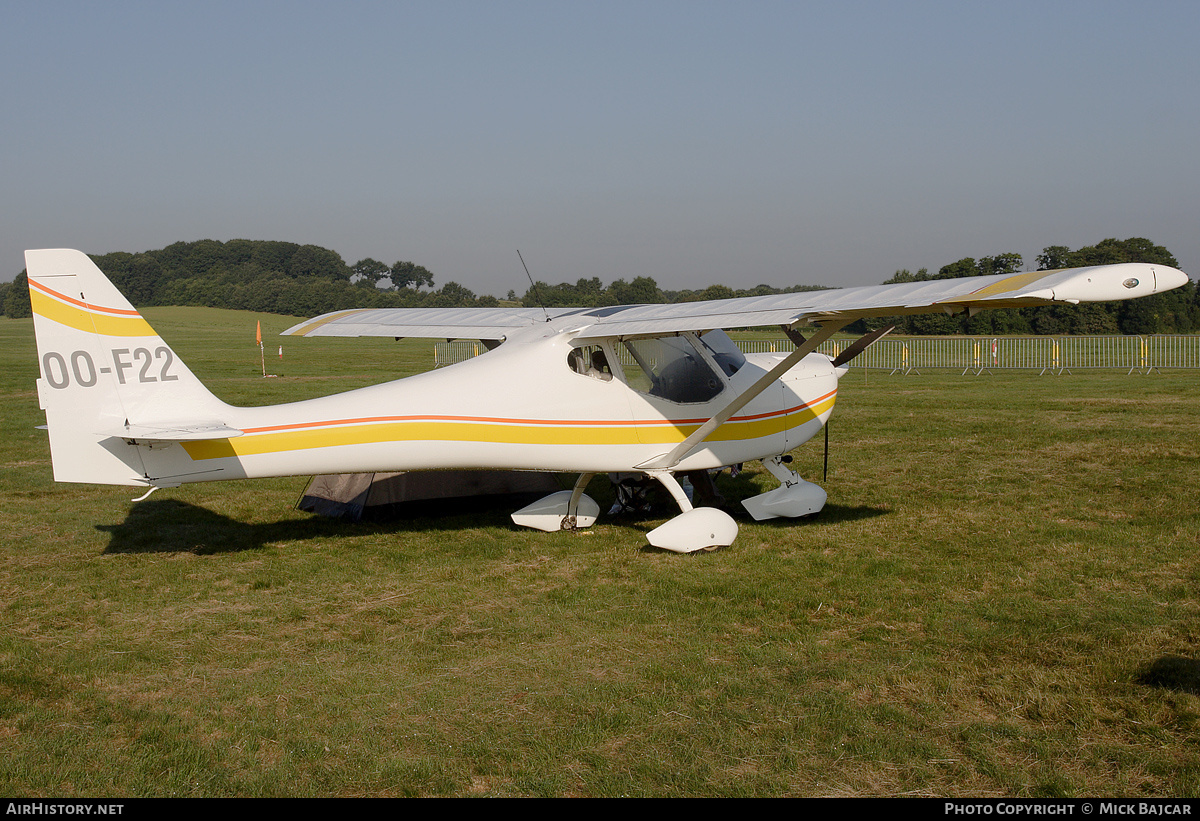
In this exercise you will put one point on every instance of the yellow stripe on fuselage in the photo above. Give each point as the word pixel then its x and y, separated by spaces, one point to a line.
pixel 87 320
pixel 515 432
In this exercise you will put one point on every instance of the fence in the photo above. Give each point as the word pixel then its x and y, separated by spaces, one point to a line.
pixel 974 355
pixel 448 353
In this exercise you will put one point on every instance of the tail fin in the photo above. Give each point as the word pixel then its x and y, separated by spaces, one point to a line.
pixel 110 387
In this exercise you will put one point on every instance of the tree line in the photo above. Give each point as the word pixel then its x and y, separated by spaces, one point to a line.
pixel 259 275
pixel 307 280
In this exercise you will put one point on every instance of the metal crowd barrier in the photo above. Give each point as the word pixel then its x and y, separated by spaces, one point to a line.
pixel 972 355
pixel 1044 354
pixel 460 350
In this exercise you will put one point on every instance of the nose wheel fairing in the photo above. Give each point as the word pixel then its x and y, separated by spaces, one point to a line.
pixel 794 497
pixel 701 528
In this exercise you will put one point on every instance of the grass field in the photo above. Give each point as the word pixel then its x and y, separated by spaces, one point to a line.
pixel 1000 559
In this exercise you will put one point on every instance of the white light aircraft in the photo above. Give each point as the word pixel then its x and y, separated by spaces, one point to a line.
pixel 650 389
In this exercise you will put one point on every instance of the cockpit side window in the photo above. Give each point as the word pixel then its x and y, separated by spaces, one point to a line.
pixel 670 368
pixel 590 360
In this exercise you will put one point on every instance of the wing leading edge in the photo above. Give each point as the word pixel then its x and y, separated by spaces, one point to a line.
pixel 431 323
pixel 1102 283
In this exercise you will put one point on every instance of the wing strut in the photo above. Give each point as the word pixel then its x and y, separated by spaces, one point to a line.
pixel 861 345
pixel 670 460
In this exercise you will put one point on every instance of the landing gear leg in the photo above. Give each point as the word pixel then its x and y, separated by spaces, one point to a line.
pixel 571 520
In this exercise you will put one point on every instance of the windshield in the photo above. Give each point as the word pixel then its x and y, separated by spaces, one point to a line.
pixel 669 367
pixel 724 351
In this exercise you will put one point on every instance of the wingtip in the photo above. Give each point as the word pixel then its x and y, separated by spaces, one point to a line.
pixel 1167 278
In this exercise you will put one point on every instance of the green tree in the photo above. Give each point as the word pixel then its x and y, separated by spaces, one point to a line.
pixel 905 275
pixel 1005 321
pixel 452 295
pixel 965 267
pixel 370 271
pixel 409 274
pixel 16 300
pixel 1000 264
pixel 239 251
pixel 939 324
pixel 589 292
pixel 315 261
pixel 274 256
pixel 145 274
pixel 641 291
pixel 1054 257
pixel 717 292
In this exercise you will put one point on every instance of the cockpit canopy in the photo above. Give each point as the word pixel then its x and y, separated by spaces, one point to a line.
pixel 682 368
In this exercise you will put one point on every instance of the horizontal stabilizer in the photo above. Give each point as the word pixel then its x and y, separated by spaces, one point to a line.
pixel 171 433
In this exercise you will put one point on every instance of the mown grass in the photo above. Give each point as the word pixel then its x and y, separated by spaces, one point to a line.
pixel 999 559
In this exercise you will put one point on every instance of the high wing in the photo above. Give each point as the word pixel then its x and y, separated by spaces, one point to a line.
pixel 953 296
pixel 429 323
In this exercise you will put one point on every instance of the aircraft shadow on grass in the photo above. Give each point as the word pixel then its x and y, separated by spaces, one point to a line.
pixel 1171 673
pixel 173 526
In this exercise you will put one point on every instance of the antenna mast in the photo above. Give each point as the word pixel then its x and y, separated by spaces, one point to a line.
pixel 536 293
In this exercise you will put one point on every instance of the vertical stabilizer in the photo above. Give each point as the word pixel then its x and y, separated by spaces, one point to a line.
pixel 104 371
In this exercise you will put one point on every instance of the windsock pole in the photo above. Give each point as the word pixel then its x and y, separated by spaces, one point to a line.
pixel 261 353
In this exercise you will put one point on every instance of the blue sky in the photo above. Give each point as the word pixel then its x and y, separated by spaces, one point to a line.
pixel 697 143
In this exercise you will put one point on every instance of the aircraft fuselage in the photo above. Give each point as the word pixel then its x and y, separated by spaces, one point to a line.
pixel 520 406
